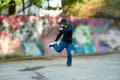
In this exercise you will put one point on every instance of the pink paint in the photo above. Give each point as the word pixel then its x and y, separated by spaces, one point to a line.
pixel 13 21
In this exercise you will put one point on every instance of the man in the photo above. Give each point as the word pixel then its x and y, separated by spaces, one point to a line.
pixel 65 30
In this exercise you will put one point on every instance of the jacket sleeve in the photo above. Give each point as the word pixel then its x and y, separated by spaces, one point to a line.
pixel 67 30
pixel 58 36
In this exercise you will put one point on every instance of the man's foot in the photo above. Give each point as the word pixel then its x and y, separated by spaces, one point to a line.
pixel 52 43
pixel 69 65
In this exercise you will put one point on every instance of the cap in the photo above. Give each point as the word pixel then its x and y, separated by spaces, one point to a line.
pixel 63 21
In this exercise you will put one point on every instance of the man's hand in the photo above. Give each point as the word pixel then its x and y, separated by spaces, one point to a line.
pixel 60 29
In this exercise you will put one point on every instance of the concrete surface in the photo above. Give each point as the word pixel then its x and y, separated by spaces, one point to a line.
pixel 102 67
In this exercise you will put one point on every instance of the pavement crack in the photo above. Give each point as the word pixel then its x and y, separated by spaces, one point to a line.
pixel 33 69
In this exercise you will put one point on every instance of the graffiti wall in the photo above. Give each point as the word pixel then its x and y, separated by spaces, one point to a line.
pixel 30 35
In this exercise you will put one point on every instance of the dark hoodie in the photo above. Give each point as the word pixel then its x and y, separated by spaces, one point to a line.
pixel 67 34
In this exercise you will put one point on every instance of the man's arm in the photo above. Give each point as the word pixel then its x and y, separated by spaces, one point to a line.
pixel 58 36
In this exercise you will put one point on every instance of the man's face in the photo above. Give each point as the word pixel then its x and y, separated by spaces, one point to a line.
pixel 63 25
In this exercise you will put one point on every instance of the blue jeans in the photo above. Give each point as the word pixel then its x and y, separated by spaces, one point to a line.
pixel 68 47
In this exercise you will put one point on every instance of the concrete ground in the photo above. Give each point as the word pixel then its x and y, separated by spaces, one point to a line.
pixel 102 67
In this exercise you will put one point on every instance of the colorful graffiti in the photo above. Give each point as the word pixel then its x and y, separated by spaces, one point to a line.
pixel 30 35
pixel 83 35
pixel 28 30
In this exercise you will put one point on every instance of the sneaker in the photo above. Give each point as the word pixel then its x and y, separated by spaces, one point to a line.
pixel 68 65
pixel 52 43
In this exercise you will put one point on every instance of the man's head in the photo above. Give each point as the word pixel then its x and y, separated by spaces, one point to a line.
pixel 63 23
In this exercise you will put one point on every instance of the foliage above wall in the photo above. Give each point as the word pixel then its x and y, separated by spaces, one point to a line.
pixel 93 8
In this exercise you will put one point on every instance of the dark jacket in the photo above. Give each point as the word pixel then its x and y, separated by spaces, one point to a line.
pixel 67 34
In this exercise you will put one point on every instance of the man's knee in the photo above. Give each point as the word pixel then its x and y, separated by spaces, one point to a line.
pixel 58 50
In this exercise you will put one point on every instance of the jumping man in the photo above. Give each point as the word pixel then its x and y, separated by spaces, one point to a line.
pixel 65 30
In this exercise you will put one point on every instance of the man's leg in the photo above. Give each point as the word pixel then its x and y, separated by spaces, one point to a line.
pixel 59 47
pixel 69 55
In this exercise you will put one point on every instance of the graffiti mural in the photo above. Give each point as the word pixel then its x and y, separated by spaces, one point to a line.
pixel 83 35
pixel 96 36
pixel 28 30
pixel 30 35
